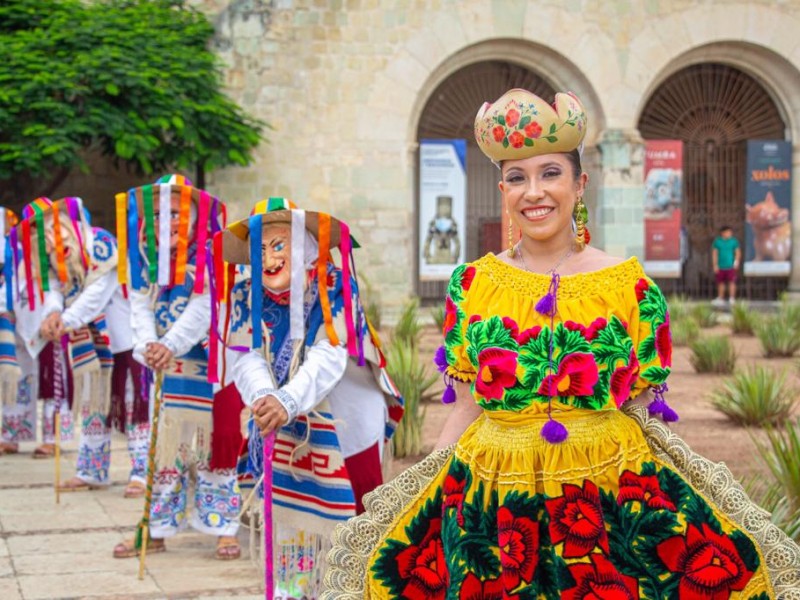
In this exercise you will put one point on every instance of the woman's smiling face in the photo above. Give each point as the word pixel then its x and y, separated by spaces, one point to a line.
pixel 276 254
pixel 540 194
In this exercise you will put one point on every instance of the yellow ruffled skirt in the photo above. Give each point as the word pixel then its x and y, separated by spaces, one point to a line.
pixel 622 507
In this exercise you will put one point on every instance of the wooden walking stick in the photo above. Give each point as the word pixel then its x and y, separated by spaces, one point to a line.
pixel 57 425
pixel 143 531
pixel 60 392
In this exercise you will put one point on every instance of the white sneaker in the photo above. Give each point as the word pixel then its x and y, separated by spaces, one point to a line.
pixel 731 301
pixel 718 302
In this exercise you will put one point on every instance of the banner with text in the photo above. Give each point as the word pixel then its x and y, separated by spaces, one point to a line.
pixel 768 228
pixel 663 183
pixel 442 207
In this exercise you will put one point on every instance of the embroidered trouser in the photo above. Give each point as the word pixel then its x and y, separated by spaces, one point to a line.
pixel 217 500
pixel 94 451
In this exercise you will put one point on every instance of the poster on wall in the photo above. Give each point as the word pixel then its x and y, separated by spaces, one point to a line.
pixel 442 207
pixel 663 184
pixel 768 224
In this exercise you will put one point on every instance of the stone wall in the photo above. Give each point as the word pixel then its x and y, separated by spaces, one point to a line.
pixel 343 82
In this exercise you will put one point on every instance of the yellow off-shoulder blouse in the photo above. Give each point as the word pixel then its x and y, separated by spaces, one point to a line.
pixel 609 338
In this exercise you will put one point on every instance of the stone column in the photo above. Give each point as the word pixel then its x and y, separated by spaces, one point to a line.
pixel 794 277
pixel 619 215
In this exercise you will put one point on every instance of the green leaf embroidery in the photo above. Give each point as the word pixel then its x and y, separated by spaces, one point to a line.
pixel 551 138
pixel 647 349
pixel 528 142
pixel 552 128
pixel 656 375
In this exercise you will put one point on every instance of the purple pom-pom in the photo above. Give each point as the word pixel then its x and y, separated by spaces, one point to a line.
pixel 554 432
pixel 669 415
pixel 546 305
pixel 657 407
pixel 440 358
pixel 449 395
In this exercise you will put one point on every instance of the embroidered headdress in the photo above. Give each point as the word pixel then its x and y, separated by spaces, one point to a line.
pixel 68 216
pixel 136 227
pixel 520 124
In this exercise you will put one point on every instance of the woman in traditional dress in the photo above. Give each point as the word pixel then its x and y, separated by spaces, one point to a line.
pixel 541 486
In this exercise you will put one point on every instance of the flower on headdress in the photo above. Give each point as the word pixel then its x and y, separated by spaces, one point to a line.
pixel 623 378
pixel 512 117
pixel 499 133
pixel 709 563
pixel 497 370
pixel 516 139
pixel 533 130
pixel 577 375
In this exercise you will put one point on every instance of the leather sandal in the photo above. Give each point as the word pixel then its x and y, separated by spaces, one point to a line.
pixel 45 451
pixel 128 549
pixel 228 548
pixel 134 489
pixel 8 448
pixel 76 484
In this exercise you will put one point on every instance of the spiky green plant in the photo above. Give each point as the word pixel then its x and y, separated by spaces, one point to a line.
pixel 789 312
pixel 781 454
pixel 684 331
pixel 778 337
pixel 744 319
pixel 704 314
pixel 413 379
pixel 713 354
pixel 438 316
pixel 408 326
pixel 678 307
pixel 756 396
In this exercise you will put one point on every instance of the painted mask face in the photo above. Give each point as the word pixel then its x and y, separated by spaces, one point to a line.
pixel 276 254
pixel 174 219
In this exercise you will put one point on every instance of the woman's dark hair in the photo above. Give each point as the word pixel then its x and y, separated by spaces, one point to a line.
pixel 574 158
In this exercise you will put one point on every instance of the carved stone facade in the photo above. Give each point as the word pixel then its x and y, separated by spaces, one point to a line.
pixel 343 84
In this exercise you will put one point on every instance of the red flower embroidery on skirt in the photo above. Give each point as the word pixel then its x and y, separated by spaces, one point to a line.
pixel 623 378
pixel 424 566
pixel 600 581
pixel 710 565
pixel 453 491
pixel 467 277
pixel 577 375
pixel 497 370
pixel 512 326
pixel 644 489
pixel 518 540
pixel 576 519
pixel 527 335
pixel 475 589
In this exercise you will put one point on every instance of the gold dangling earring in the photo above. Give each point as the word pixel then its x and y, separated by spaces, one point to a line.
pixel 581 216
pixel 512 251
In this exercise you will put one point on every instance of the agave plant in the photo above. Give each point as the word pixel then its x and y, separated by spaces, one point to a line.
pixel 756 396
pixel 769 495
pixel 704 314
pixel 678 307
pixel 713 354
pixel 408 326
pixel 684 331
pixel 438 316
pixel 744 319
pixel 781 455
pixel 778 337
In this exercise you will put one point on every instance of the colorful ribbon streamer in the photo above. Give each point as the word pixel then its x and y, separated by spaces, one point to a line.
pixel 256 284
pixel 164 223
pixel 345 247
pixel 61 261
pixel 202 237
pixel 322 276
pixel 122 239
pixel 150 232
pixel 134 256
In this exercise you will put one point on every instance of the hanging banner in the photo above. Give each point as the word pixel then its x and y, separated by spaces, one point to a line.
pixel 442 207
pixel 663 184
pixel 768 229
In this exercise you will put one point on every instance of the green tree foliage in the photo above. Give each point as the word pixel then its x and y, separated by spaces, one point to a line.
pixel 132 79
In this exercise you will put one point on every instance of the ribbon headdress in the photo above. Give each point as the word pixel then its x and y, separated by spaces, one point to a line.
pixel 136 227
pixel 240 243
pixel 30 233
pixel 8 221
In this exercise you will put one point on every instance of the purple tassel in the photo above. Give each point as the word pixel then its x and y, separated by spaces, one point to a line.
pixel 554 432
pixel 547 304
pixel 659 405
pixel 449 395
pixel 440 358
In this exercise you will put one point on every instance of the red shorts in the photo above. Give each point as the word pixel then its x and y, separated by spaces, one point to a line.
pixel 726 276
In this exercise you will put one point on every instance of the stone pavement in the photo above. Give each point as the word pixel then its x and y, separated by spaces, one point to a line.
pixel 64 551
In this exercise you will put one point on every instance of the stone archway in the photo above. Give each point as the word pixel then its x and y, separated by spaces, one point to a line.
pixel 706 98
pixel 446 107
